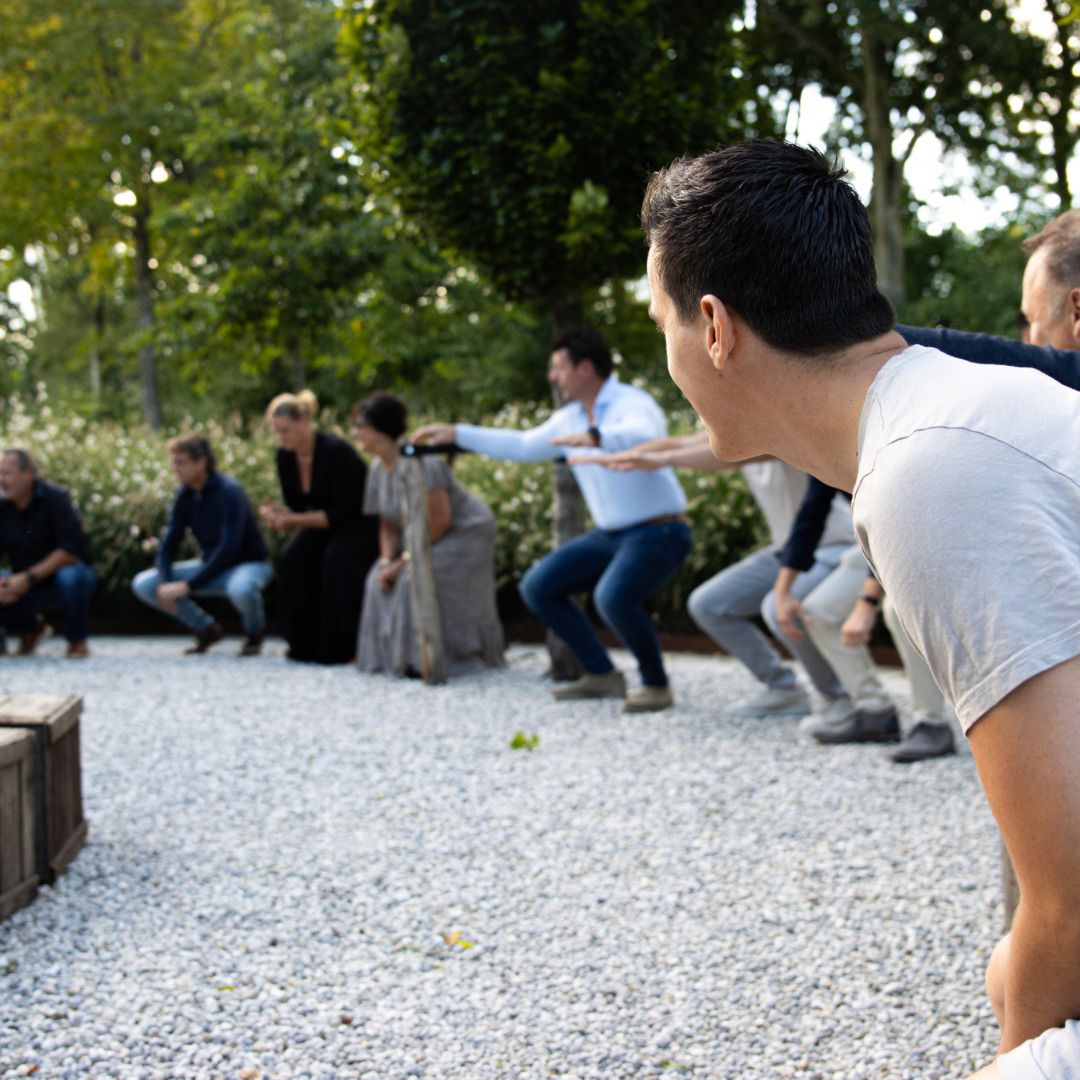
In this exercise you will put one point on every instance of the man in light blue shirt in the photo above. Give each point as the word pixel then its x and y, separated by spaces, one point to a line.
pixel 641 533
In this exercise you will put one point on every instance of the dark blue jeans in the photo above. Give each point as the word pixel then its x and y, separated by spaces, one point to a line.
pixel 69 589
pixel 627 567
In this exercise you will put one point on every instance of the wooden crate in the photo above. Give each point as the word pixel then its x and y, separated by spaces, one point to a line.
pixel 18 855
pixel 59 822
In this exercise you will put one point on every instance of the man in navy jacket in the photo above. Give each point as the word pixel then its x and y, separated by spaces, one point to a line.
pixel 233 559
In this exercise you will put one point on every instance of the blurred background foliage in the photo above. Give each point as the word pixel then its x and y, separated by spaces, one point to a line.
pixel 204 202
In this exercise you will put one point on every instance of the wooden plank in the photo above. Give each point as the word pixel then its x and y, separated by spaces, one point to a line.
pixel 18 879
pixel 58 711
pixel 11 826
pixel 53 720
pixel 418 544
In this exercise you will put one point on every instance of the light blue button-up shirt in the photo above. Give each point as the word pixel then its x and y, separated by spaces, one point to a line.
pixel 625 416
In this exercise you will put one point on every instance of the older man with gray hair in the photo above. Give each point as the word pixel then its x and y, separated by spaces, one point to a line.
pixel 48 549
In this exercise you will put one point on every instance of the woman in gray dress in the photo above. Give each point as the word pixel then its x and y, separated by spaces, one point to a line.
pixel 462 530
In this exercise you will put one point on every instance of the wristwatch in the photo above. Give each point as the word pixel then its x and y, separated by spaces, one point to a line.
pixel 31 577
pixel 594 434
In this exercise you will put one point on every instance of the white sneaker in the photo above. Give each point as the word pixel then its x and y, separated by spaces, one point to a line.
pixel 774 701
pixel 838 709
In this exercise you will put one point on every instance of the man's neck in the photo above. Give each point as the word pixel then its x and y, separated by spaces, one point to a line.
pixel 587 399
pixel 24 502
pixel 198 485
pixel 817 410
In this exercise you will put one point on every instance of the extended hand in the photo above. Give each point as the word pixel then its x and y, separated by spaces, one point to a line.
pixel 623 461
pixel 277 517
pixel 389 574
pixel 170 593
pixel 436 434
pixel 859 625
pixel 791 616
pixel 13 587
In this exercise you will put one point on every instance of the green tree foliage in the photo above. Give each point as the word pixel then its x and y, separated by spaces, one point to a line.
pixel 94 115
pixel 968 283
pixel 524 141
pixel 277 229
pixel 896 70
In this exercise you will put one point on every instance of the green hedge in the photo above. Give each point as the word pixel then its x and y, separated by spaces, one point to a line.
pixel 121 480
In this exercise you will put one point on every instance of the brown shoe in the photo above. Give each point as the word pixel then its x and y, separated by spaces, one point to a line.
pixel 610 684
pixel 204 639
pixel 78 650
pixel 29 641
pixel 252 646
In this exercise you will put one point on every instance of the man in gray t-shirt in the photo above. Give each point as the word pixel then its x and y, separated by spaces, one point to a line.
pixel 763 282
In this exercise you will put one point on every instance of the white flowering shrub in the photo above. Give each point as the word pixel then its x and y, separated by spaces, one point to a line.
pixel 122 483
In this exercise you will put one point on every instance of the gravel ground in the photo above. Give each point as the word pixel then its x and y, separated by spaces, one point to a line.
pixel 305 872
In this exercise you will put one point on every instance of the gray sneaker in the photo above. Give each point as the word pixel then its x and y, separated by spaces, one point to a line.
pixel 925 740
pixel 881 725
pixel 839 708
pixel 610 684
pixel 774 701
pixel 649 699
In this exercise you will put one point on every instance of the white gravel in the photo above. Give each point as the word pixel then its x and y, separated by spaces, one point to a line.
pixel 304 872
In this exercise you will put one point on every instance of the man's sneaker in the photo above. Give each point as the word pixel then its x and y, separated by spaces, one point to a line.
pixel 775 701
pixel 925 740
pixel 29 641
pixel 204 639
pixel 838 708
pixel 252 645
pixel 78 650
pixel 649 699
pixel 610 684
pixel 863 725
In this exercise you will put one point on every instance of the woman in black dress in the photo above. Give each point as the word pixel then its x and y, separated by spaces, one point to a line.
pixel 333 543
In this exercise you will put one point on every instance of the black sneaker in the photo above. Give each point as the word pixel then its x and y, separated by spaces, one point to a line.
pixel 204 639
pixel 925 740
pixel 881 725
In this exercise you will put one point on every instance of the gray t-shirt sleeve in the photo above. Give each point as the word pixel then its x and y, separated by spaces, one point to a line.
pixel 979 547
pixel 1054 1055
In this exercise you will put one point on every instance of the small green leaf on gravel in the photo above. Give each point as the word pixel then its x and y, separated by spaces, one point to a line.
pixel 521 741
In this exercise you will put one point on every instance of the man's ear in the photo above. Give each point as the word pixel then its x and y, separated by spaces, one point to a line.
pixel 1072 307
pixel 719 331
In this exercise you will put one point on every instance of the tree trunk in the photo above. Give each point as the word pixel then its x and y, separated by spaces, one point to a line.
pixel 144 318
pixel 887 197
pixel 95 347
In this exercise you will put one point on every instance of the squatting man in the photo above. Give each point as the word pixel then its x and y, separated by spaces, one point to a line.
pixel 763 283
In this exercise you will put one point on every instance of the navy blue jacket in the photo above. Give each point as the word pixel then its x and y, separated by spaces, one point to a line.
pixel 223 525
pixel 1062 365
pixel 50 521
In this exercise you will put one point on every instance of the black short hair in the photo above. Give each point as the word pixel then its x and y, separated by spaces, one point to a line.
pixel 385 413
pixel 776 232
pixel 196 447
pixel 585 344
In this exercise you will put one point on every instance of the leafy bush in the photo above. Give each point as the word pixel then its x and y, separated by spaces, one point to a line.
pixel 122 482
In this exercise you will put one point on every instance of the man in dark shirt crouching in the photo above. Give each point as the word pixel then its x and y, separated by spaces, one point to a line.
pixel 44 539
pixel 234 561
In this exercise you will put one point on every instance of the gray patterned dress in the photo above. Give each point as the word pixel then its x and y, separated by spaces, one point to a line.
pixel 464 560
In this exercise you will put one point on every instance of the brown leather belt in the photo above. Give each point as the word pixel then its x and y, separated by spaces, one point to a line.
pixel 667 519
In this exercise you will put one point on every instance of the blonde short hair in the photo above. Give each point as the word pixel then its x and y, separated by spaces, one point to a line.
pixel 302 406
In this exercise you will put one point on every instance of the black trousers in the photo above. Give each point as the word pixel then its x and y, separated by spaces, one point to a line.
pixel 320 591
